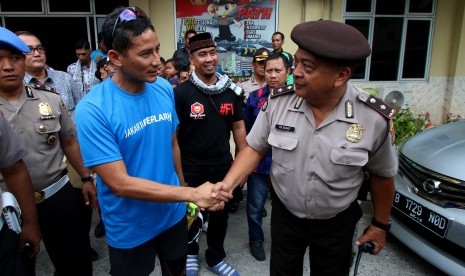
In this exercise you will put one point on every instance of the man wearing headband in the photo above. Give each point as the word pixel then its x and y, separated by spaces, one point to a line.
pixel 209 106
pixel 43 124
pixel 323 131
pixel 127 132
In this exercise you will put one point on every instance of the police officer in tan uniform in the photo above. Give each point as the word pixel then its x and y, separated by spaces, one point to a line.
pixel 257 80
pixel 322 132
pixel 43 124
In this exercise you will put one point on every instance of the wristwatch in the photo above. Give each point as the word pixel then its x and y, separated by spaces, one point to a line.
pixel 380 225
pixel 87 178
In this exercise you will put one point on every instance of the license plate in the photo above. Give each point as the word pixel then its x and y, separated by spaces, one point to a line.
pixel 421 214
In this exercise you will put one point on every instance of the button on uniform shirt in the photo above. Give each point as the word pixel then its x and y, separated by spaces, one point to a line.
pixel 64 85
pixel 317 171
pixel 40 120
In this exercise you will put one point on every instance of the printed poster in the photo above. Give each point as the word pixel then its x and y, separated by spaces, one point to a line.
pixel 239 28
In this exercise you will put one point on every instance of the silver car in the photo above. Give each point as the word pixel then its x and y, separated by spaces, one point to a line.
pixel 428 213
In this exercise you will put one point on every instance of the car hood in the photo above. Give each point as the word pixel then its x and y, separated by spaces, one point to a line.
pixel 440 149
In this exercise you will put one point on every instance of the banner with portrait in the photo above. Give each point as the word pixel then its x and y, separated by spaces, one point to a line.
pixel 239 28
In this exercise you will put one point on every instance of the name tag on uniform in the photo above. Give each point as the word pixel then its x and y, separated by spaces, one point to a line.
pixel 285 128
pixel 50 117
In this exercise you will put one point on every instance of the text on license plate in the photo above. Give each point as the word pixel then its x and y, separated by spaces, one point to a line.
pixel 421 214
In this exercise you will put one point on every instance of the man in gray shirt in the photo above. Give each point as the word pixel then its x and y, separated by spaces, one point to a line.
pixel 323 131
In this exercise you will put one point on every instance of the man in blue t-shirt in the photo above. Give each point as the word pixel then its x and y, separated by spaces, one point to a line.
pixel 126 127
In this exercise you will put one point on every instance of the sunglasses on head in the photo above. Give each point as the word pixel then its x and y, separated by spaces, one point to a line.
pixel 128 14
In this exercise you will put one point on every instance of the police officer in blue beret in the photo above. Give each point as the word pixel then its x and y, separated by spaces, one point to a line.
pixel 323 132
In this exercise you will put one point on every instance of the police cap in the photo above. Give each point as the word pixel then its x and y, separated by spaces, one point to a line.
pixel 10 40
pixel 332 40
pixel 261 54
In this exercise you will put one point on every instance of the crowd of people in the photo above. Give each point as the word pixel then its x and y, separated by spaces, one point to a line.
pixel 137 137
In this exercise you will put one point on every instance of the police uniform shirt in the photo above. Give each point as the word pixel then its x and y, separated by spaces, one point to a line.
pixel 249 86
pixel 40 120
pixel 316 171
pixel 11 149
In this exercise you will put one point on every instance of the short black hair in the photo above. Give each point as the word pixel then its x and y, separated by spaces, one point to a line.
pixel 177 63
pixel 182 69
pixel 279 33
pixel 278 56
pixel 189 32
pixel 18 33
pixel 120 37
pixel 82 44
pixel 100 64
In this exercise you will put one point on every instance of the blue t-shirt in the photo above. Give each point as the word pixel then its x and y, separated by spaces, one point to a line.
pixel 115 125
pixel 95 53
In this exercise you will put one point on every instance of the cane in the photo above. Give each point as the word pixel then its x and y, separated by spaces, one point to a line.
pixel 367 247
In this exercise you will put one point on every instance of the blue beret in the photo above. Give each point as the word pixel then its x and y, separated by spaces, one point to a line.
pixel 332 40
pixel 10 39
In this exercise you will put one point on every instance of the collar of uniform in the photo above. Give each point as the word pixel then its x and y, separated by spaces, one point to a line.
pixel 254 82
pixel 28 79
pixel 294 106
pixel 24 94
pixel 349 94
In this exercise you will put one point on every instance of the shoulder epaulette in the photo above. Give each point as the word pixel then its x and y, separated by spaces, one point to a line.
pixel 378 105
pixel 44 88
pixel 278 91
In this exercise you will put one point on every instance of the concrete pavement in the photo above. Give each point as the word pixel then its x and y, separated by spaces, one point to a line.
pixel 394 260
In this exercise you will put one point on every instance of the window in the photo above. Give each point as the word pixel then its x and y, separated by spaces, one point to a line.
pixel 69 6
pixel 24 6
pixel 399 32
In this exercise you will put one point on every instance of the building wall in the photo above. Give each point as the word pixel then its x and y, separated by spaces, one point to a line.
pixel 443 92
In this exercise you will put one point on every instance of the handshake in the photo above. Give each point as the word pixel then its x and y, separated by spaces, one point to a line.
pixel 212 197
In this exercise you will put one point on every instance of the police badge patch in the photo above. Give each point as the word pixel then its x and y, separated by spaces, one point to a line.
pixel 45 109
pixel 354 133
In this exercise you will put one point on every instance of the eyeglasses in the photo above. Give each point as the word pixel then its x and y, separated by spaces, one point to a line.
pixel 39 49
pixel 128 14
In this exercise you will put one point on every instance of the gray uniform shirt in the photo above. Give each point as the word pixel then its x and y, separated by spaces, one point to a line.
pixel 249 86
pixel 11 149
pixel 316 171
pixel 40 120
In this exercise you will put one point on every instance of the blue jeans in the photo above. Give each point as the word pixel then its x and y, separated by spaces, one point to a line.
pixel 257 193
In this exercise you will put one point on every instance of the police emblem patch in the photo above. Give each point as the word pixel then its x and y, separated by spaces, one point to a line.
pixel 45 109
pixel 354 133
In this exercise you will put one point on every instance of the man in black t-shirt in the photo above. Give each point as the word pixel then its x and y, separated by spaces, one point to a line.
pixel 209 107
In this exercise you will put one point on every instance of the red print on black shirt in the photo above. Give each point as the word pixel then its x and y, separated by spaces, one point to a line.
pixel 226 109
